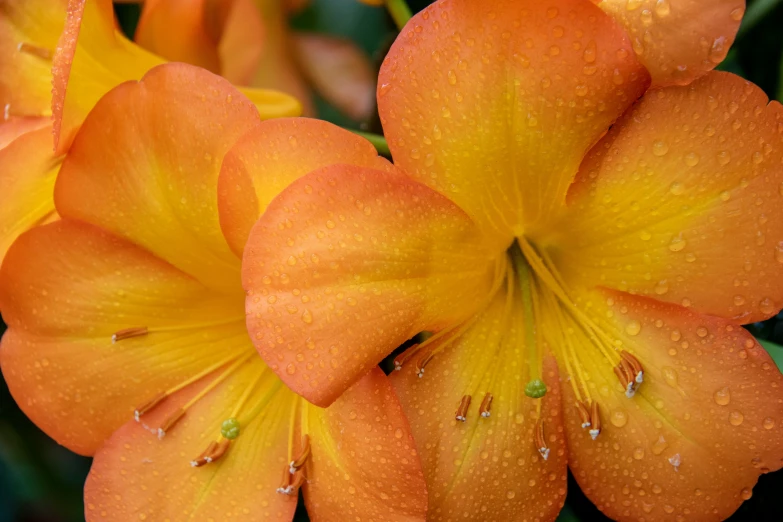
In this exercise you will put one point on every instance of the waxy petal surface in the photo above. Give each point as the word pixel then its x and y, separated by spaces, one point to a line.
pixel 682 201
pixel 93 57
pixel 271 156
pixel 346 264
pixel 495 106
pixel 28 36
pixel 364 462
pixel 701 428
pixel 145 166
pixel 27 173
pixel 136 476
pixel 678 40
pixel 65 289
pixel 487 468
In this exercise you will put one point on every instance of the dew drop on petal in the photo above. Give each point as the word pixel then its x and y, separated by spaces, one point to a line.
pixel 722 396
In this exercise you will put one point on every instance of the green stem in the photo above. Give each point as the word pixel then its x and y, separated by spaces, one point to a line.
pixel 379 142
pixel 399 11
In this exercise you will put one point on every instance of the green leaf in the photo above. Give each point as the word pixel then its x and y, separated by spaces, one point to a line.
pixel 774 350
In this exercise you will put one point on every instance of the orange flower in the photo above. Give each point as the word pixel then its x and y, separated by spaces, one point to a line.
pixel 90 59
pixel 249 42
pixel 131 305
pixel 584 262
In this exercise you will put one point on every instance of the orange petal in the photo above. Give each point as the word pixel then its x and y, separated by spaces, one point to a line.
pixel 14 127
pixel 364 460
pixel 701 428
pixel 340 72
pixel 177 30
pixel 682 201
pixel 65 289
pixel 145 166
pixel 495 108
pixel 678 41
pixel 486 468
pixel 271 156
pixel 346 264
pixel 92 58
pixel 28 36
pixel 136 476
pixel 242 42
pixel 27 173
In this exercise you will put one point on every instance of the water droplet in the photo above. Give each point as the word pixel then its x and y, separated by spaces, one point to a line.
pixel 645 235
pixel 739 300
pixel 677 244
pixel 724 158
pixel 633 328
pixel 307 316
pixel 662 287
pixel 669 375
pixel 589 53
pixel 290 369
pixel 291 260
pixel 452 77
pixel 692 159
pixel 632 5
pixel 384 88
pixel 330 224
pixel 398 433
pixel 723 396
pixel 660 148
pixel 737 14
pixel 638 453
pixel 676 189
pixel 701 331
pixel 618 418
pixel 718 50
pixel 746 493
pixel 725 195
pixel 736 418
pixel 675 336
pixel 659 445
pixel 767 306
pixel 662 8
pixel 510 494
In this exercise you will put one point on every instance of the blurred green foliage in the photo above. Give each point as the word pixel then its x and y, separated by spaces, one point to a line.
pixel 42 482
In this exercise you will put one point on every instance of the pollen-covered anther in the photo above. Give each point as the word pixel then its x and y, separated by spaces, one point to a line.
pixel 540 441
pixel 170 421
pixel 486 405
pixel 214 451
pixel 627 376
pixel 127 333
pixel 149 405
pixel 296 464
pixel 462 410
pixel 35 50
pixel 595 420
pixel 422 362
pixel 404 357
pixel 584 414
pixel 291 483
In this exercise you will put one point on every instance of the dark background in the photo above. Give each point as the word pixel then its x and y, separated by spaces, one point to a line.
pixel 42 482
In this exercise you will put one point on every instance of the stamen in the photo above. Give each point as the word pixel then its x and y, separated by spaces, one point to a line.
pixel 423 361
pixel 638 371
pixel 35 50
pixel 292 483
pixel 540 440
pixel 147 406
pixel 136 331
pixel 584 414
pixel 214 451
pixel 296 464
pixel 486 405
pixel 402 358
pixel 595 421
pixel 627 376
pixel 462 410
pixel 170 421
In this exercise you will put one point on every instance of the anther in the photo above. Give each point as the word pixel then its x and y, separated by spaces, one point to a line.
pixel 422 362
pixel 170 421
pixel 584 414
pixel 636 366
pixel 147 406
pixel 540 440
pixel 462 409
pixel 404 357
pixel 296 464
pixel 625 373
pixel 292 483
pixel 35 50
pixel 127 333
pixel 486 405
pixel 214 451
pixel 595 420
